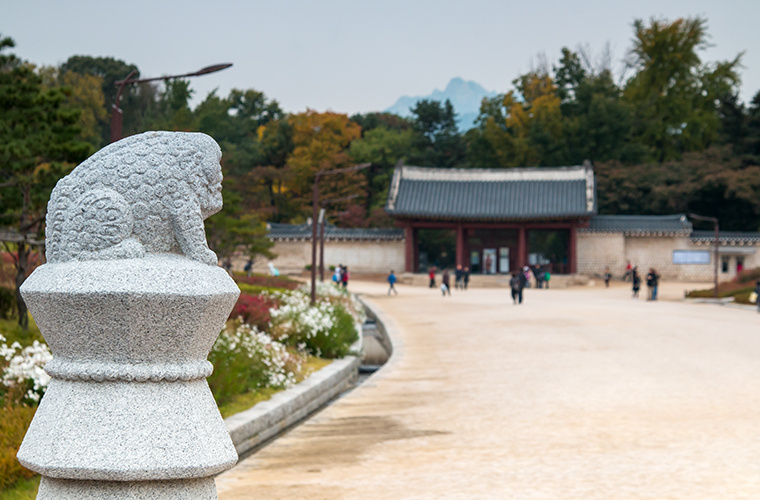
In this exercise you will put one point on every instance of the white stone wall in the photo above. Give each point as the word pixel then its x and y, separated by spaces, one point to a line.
pixel 657 252
pixel 597 250
pixel 359 256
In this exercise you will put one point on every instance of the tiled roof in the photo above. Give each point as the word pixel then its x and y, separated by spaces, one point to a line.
pixel 641 225
pixel 725 238
pixel 492 194
pixel 277 231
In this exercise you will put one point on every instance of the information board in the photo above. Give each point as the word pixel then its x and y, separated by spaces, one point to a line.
pixel 691 256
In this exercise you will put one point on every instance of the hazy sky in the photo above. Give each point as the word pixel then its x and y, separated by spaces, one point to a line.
pixel 357 56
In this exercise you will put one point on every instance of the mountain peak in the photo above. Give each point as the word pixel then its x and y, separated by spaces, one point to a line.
pixel 465 96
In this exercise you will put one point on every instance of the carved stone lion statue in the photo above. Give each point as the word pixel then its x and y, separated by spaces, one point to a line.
pixel 148 193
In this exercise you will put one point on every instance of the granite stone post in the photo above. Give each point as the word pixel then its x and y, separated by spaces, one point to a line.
pixel 130 303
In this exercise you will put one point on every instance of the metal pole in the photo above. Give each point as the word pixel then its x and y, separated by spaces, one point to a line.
pixel 322 244
pixel 315 216
pixel 116 112
pixel 717 236
pixel 315 202
pixel 714 220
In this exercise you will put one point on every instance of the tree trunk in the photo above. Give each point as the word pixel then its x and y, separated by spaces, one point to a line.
pixel 22 257
pixel 22 265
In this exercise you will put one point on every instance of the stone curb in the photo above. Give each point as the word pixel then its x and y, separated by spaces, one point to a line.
pixel 260 423
pixel 250 428
pixel 725 302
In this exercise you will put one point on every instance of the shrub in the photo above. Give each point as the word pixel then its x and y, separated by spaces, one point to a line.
pixel 327 328
pixel 246 359
pixel 264 280
pixel 254 310
pixel 336 342
pixel 256 289
pixel 749 275
pixel 14 420
pixel 743 297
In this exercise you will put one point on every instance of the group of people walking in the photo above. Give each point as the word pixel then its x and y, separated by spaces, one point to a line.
pixel 521 280
pixel 461 279
pixel 652 280
pixel 341 276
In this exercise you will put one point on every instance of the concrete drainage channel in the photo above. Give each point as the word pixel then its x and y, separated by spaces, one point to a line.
pixel 256 427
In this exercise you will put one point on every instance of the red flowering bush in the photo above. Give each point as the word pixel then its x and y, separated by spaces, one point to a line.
pixel 254 310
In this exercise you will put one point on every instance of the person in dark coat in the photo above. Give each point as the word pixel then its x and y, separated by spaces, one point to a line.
pixel 636 279
pixel 652 282
pixel 757 293
pixel 607 277
pixel 466 277
pixel 458 277
pixel 445 279
pixel 344 277
pixel 516 285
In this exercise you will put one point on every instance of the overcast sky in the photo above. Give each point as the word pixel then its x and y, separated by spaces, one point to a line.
pixel 357 56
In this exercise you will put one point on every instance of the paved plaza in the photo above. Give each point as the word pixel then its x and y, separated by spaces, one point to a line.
pixel 576 394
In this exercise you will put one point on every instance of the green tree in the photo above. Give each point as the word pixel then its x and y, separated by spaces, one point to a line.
pixel 597 123
pixel 37 145
pixel 383 148
pixel 751 143
pixel 320 143
pixel 673 93
pixel 234 229
pixel 371 121
pixel 276 145
pixel 488 144
pixel 137 101
pixel 85 91
pixel 437 143
pixel 712 182
pixel 523 127
pixel 172 111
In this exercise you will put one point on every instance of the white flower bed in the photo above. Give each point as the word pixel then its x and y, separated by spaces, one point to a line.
pixel 294 317
pixel 25 364
pixel 261 347
pixel 349 301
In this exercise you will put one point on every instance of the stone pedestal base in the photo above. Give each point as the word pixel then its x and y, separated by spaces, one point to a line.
pixel 180 489
pixel 128 412
pixel 119 431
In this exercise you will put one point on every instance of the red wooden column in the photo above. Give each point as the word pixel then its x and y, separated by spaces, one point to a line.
pixel 522 247
pixel 572 252
pixel 409 248
pixel 460 245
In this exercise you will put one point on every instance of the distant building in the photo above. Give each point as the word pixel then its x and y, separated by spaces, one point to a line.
pixel 667 243
pixel 499 219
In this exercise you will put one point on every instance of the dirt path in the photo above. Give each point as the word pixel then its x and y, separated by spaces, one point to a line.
pixel 576 394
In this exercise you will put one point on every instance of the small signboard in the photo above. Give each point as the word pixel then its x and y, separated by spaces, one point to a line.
pixel 691 256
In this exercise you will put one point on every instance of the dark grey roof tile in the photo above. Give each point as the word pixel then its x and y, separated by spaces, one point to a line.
pixel 492 194
pixel 641 224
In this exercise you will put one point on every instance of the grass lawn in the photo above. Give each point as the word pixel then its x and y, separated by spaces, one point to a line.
pixel 242 402
pixel 26 489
